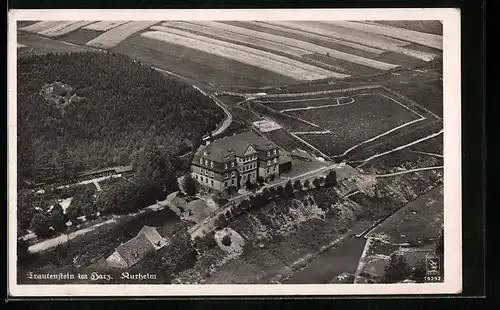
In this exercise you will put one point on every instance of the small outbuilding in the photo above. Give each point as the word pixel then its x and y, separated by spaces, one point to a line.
pixel 131 252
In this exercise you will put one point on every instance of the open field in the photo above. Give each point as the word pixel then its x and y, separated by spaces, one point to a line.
pixel 415 224
pixel 233 37
pixel 116 35
pixel 370 114
pixel 104 25
pixel 35 44
pixel 197 65
pixel 272 62
pixel 81 36
pixel 289 122
pixel 303 45
pixel 424 86
pixel 426 39
pixel 283 139
pixel 428 26
pixel 283 52
pixel 63 28
pixel 322 40
pixel 375 40
pixel 286 105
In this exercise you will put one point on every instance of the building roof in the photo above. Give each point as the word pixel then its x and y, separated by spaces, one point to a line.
pixel 226 148
pixel 135 249
pixel 148 239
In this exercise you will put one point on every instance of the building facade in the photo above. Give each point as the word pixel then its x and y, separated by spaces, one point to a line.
pixel 231 161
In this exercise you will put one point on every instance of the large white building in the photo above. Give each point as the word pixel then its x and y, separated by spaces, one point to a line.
pixel 231 161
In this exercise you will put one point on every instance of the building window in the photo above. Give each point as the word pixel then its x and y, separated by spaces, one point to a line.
pixel 212 164
pixel 201 178
pixel 225 184
pixel 233 174
pixel 201 170
pixel 225 166
pixel 232 164
pixel 212 182
pixel 275 151
pixel 268 153
pixel 211 173
pixel 226 176
pixel 267 170
pixel 201 161
pixel 232 181
pixel 275 160
pixel 269 163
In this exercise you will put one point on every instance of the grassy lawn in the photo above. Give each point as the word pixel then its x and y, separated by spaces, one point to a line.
pixel 417 223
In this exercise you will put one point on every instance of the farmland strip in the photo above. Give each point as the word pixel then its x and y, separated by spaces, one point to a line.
pixel 301 44
pixel 40 26
pixel 234 54
pixel 427 39
pixel 233 49
pixel 241 38
pixel 360 37
pixel 104 25
pixel 113 37
pixel 317 36
pixel 64 28
pixel 271 56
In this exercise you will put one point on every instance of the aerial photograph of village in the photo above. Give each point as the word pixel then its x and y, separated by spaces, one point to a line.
pixel 229 152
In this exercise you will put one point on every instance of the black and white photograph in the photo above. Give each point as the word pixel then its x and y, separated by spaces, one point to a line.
pixel 251 150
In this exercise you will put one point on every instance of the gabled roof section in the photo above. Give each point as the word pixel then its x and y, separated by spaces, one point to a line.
pixel 135 249
pixel 225 149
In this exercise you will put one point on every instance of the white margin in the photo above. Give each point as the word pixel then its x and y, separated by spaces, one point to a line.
pixel 452 152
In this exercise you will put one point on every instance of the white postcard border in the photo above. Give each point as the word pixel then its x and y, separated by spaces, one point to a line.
pixel 452 154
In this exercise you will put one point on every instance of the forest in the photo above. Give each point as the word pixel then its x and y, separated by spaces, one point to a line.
pixel 123 108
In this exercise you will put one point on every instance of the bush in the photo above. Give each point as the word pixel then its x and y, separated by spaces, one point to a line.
pixel 190 185
pixel 331 178
pixel 40 225
pixel 397 270
pixel 288 190
pixel 297 185
pixel 58 219
pixel 226 240
pixel 272 177
pixel 307 184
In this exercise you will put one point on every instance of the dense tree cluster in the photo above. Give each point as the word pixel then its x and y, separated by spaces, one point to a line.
pixel 122 107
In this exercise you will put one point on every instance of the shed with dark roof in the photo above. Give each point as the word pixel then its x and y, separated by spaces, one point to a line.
pixel 131 252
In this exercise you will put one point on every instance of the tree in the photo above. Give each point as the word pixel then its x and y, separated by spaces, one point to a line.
pixel 26 203
pixel 307 184
pixel 397 270
pixel 228 215
pixel 220 222
pixel 297 185
pixel 24 257
pixel 74 211
pixel 40 225
pixel 316 183
pixel 190 185
pixel 272 177
pixel 280 191
pixel 288 190
pixel 58 219
pixel 244 205
pixel 248 184
pixel 260 180
pixel 331 178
